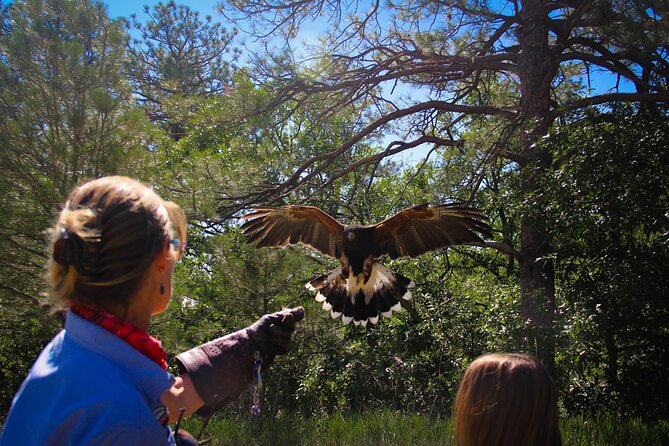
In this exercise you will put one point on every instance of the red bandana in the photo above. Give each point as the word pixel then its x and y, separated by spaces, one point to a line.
pixel 136 337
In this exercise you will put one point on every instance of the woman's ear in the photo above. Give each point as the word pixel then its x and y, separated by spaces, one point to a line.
pixel 161 260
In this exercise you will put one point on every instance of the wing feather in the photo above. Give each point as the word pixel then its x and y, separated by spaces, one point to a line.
pixel 292 225
pixel 423 228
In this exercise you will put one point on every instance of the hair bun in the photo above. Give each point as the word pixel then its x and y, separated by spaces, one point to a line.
pixel 78 230
pixel 69 249
pixel 59 252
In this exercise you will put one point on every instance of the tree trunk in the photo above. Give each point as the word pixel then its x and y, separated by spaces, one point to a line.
pixel 537 69
pixel 612 360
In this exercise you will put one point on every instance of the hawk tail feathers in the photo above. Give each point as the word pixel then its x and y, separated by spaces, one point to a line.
pixel 361 304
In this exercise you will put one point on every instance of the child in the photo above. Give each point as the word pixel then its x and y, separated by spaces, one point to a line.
pixel 507 399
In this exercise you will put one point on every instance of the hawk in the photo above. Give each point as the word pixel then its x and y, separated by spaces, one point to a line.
pixel 361 289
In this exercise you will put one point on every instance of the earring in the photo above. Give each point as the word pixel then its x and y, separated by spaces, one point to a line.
pixel 162 289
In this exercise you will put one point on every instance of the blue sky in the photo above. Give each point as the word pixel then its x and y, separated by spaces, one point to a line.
pixel 123 8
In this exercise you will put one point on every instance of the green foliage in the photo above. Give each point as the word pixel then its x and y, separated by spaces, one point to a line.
pixel 609 193
pixel 178 52
pixel 231 150
pixel 177 56
pixel 65 118
pixel 23 331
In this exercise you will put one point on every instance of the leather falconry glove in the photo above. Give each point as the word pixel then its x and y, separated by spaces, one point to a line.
pixel 223 368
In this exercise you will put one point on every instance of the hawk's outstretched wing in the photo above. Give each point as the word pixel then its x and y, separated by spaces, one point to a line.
pixel 291 225
pixel 422 228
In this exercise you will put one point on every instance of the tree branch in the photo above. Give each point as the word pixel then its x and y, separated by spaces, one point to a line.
pixel 611 97
pixel 300 176
pixel 503 248
pixel 30 298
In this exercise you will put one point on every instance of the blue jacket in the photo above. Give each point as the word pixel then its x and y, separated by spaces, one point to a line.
pixel 89 387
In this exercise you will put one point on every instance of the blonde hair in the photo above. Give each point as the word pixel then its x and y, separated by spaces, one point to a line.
pixel 105 239
pixel 507 399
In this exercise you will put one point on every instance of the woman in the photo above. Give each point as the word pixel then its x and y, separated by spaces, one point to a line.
pixel 507 399
pixel 103 379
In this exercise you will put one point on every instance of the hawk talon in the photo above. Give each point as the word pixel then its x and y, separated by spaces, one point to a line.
pixel 362 279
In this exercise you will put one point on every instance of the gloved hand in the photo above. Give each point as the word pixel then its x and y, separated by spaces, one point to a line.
pixel 223 368
pixel 271 333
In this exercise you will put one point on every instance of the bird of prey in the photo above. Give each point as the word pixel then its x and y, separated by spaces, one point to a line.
pixel 361 289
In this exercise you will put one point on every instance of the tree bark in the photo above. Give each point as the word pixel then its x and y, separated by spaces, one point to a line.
pixel 612 360
pixel 537 68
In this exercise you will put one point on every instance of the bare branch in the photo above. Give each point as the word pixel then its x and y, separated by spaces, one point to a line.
pixel 28 297
pixel 503 248
pixel 613 97
pixel 393 148
pixel 513 156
